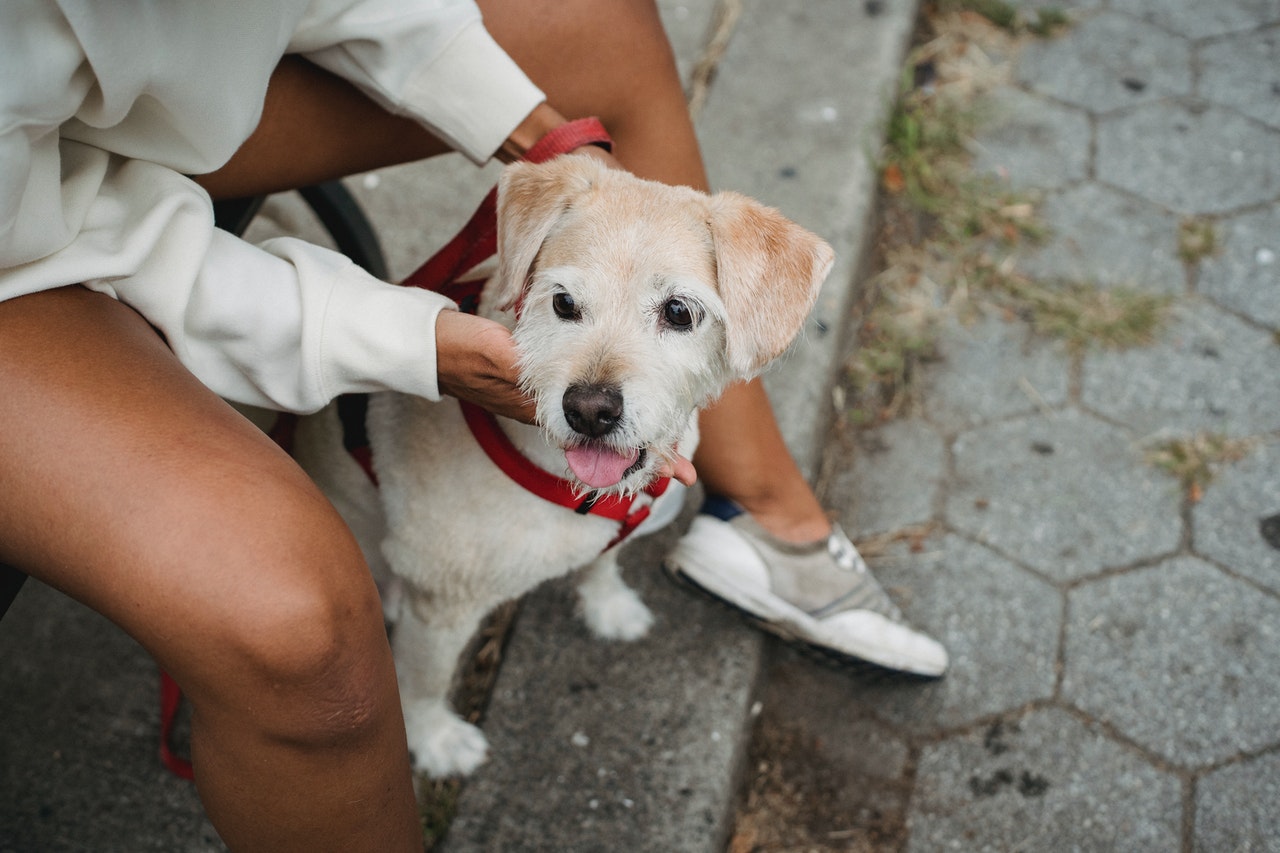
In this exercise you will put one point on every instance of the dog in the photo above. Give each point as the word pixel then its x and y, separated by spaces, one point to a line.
pixel 632 304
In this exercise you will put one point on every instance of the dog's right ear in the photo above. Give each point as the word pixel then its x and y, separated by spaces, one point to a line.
pixel 770 270
pixel 531 199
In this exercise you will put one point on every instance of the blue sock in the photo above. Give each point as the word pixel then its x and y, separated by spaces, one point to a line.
pixel 720 507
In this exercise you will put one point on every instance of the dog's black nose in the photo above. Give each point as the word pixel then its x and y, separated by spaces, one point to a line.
pixel 592 410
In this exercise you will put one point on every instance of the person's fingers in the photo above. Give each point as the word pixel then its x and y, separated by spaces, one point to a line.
pixel 476 361
pixel 679 469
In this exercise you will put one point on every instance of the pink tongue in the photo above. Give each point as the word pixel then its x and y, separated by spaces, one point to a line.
pixel 599 467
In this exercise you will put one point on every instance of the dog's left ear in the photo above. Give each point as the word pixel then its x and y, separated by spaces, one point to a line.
pixel 769 271
pixel 531 198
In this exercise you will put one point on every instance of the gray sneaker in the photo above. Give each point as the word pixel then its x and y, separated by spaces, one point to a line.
pixel 819 594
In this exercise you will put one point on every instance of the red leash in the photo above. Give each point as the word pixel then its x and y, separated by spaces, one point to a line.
pixel 170 701
pixel 476 242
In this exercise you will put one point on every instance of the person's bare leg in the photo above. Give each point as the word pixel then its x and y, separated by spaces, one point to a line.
pixel 132 488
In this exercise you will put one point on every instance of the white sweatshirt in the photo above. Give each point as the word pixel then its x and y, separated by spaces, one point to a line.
pixel 104 107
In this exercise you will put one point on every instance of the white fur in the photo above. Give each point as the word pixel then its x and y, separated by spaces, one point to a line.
pixel 457 533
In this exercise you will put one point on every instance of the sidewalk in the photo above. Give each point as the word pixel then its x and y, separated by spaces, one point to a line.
pixel 1114 635
pixel 1113 641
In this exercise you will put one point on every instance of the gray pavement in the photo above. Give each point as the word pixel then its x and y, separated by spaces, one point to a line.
pixel 1113 642
pixel 1114 674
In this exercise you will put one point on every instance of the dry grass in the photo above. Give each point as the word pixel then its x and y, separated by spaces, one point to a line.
pixel 1083 315
pixel 948 236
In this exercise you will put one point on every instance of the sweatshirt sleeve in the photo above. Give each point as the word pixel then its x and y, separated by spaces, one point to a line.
pixel 431 60
pixel 285 325
pixel 289 325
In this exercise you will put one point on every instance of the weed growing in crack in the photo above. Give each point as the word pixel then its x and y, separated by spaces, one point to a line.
pixel 1197 239
pixel 1084 315
pixel 1195 460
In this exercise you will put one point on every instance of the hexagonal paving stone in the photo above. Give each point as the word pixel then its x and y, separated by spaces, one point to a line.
pixel 1031 142
pixel 1064 493
pixel 999 623
pixel 1244 72
pixel 1104 237
pixel 1200 19
pixel 1178 657
pixel 903 451
pixel 1245 274
pixel 1238 521
pixel 1106 62
pixel 1236 807
pixel 1046 782
pixel 989 369
pixel 1209 371
pixel 1174 155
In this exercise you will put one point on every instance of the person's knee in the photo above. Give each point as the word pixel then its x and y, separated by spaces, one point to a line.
pixel 305 648
pixel 322 663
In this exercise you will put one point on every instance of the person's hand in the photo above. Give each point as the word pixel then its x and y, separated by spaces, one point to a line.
pixel 476 361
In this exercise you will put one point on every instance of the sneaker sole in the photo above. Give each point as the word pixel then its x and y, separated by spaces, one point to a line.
pixel 826 655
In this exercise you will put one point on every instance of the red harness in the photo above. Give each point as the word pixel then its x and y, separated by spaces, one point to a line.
pixel 476 242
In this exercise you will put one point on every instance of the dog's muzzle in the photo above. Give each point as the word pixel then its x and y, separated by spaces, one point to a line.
pixel 593 411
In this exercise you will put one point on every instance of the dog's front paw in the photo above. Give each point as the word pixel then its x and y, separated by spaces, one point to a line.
pixel 615 613
pixel 442 743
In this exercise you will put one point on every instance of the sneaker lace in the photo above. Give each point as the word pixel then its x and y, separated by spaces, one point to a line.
pixel 867 594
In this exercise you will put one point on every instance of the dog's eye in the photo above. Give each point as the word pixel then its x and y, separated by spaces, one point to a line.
pixel 564 306
pixel 678 314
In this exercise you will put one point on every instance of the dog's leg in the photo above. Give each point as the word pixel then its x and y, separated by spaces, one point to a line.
pixel 611 609
pixel 427 643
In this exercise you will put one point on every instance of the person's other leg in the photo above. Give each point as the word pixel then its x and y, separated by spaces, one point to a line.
pixel 133 489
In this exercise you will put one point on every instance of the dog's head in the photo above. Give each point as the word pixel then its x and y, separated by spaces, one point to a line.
pixel 637 302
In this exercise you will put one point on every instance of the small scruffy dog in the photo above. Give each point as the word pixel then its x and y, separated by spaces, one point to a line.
pixel 632 304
